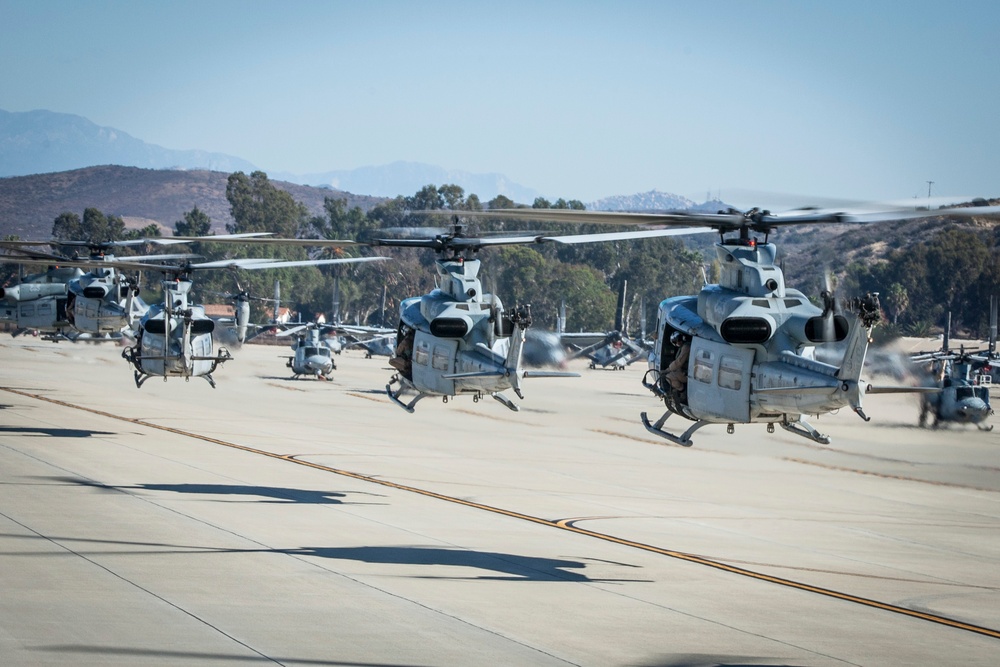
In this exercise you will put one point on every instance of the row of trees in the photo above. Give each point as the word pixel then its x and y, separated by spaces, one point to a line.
pixel 956 271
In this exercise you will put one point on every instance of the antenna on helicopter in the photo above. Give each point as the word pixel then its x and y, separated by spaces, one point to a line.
pixel 993 325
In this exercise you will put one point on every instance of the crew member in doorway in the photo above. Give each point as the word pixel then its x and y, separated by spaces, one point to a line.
pixel 677 370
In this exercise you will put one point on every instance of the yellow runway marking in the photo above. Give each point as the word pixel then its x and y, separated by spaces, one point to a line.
pixel 561 524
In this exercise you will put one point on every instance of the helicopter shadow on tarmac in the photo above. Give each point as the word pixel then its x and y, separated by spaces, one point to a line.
pixel 507 566
pixel 261 494
pixel 712 660
pixel 52 432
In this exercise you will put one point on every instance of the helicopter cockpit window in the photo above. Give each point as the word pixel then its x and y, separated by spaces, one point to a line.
pixel 792 303
pixel 441 358
pixel 311 351
pixel 762 303
pixel 704 367
pixel 963 393
pixel 421 354
pixel 730 373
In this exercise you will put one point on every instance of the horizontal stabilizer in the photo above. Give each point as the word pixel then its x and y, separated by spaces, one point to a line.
pixel 872 389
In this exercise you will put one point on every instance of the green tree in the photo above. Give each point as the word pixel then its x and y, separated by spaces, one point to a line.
pixel 427 199
pixel 897 299
pixel 258 206
pixel 195 223
pixel 501 201
pixel 454 196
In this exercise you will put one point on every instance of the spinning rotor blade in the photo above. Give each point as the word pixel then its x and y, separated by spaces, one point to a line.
pixel 87 263
pixel 729 220
pixel 267 239
pixel 293 330
pixel 263 263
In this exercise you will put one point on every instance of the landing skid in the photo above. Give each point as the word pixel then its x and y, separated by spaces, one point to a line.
pixel 656 429
pixel 506 401
pixel 799 427
pixel 394 396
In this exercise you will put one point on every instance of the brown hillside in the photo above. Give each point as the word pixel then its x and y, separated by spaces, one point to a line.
pixel 29 204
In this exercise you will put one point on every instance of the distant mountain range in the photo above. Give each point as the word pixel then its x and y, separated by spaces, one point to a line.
pixel 39 142
pixel 406 178
pixel 654 200
pixel 43 142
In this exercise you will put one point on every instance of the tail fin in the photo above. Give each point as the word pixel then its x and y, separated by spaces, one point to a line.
pixel 868 314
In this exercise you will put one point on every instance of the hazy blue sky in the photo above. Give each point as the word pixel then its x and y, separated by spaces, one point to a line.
pixel 860 100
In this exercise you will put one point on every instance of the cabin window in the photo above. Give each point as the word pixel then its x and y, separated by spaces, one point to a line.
pixel 730 373
pixel 441 358
pixel 704 367
pixel 28 311
pixel 421 355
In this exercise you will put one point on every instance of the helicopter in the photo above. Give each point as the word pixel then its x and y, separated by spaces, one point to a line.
pixel 743 351
pixel 175 339
pixel 460 340
pixel 964 379
pixel 613 348
pixel 38 302
pixel 312 352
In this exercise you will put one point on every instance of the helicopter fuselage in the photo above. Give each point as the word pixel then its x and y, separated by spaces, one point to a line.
pixel 175 339
pixel 39 301
pixel 312 356
pixel 457 340
pixel 101 301
pixel 964 397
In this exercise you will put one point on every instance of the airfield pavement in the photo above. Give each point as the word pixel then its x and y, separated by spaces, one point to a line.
pixel 275 521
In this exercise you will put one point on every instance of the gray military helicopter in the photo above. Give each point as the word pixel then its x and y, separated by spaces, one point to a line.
pixel 459 339
pixel 964 378
pixel 743 351
pixel 313 355
pixel 38 302
pixel 174 339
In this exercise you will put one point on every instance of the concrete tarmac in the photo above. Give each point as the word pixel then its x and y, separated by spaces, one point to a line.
pixel 299 522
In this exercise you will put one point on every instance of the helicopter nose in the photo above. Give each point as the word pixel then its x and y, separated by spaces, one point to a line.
pixel 973 410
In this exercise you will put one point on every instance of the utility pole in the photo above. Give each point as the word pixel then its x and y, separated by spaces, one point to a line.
pixel 929 184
